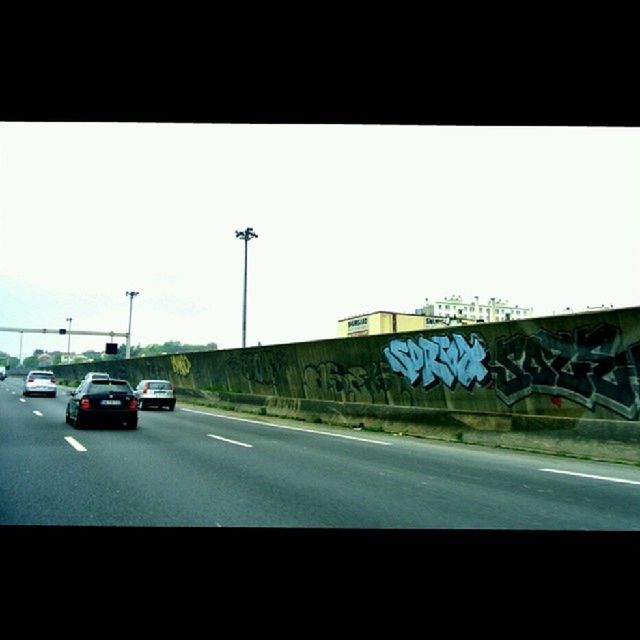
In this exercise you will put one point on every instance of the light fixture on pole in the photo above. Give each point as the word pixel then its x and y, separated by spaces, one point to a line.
pixel 245 235
pixel 131 295
pixel 69 341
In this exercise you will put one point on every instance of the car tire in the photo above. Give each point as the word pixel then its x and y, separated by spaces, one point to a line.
pixel 172 406
pixel 77 423
pixel 53 395
pixel 132 424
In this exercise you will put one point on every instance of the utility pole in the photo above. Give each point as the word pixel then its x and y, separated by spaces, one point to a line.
pixel 245 235
pixel 131 295
pixel 69 341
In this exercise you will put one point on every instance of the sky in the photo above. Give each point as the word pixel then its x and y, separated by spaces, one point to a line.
pixel 350 219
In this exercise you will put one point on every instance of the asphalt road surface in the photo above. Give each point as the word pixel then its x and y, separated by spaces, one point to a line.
pixel 196 467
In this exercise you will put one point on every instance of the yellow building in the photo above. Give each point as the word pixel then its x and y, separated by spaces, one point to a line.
pixel 378 322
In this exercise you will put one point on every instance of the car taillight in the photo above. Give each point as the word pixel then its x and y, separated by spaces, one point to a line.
pixel 173 388
pixel 133 405
pixel 145 388
pixel 53 380
pixel 31 379
pixel 84 403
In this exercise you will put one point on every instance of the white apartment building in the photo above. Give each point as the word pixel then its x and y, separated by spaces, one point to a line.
pixel 494 311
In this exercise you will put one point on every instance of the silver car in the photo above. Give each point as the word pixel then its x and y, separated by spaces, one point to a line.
pixel 155 393
pixel 43 382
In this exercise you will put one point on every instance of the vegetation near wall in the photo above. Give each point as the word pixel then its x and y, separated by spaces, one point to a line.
pixel 573 366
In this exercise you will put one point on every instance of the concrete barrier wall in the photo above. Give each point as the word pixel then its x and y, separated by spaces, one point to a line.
pixel 582 366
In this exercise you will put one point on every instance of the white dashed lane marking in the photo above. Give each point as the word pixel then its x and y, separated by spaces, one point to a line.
pixel 74 443
pixel 240 444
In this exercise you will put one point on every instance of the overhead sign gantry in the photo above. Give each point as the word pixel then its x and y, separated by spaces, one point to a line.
pixel 74 332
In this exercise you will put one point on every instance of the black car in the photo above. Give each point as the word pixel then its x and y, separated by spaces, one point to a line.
pixel 98 402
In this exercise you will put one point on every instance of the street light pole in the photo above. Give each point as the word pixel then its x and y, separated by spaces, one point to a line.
pixel 131 295
pixel 245 235
pixel 69 341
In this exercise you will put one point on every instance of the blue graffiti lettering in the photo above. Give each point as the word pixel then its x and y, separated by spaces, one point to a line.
pixel 446 359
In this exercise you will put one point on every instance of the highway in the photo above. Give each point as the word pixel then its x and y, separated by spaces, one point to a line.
pixel 201 467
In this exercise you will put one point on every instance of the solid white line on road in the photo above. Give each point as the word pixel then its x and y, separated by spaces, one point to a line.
pixel 74 443
pixel 282 426
pixel 240 444
pixel 22 400
pixel 38 413
pixel 588 475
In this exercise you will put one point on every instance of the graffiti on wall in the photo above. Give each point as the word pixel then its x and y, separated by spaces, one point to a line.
pixel 180 365
pixel 449 359
pixel 261 367
pixel 585 365
pixel 364 383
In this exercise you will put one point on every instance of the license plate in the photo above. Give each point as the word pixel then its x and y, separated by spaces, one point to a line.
pixel 111 402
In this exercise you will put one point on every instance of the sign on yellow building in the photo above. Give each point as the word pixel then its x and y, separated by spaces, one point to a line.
pixel 380 322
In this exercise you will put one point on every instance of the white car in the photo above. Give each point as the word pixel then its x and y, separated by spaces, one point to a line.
pixel 40 382
pixel 96 375
pixel 155 393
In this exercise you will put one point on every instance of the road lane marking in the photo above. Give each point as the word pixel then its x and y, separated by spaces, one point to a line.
pixel 22 399
pixel 588 475
pixel 74 443
pixel 240 444
pixel 38 413
pixel 282 426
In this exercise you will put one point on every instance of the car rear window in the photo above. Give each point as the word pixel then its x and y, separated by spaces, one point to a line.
pixel 41 376
pixel 160 385
pixel 108 386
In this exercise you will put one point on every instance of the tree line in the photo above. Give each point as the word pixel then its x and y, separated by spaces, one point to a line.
pixel 40 358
